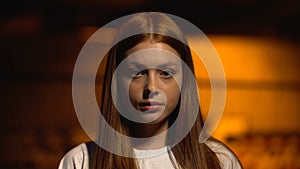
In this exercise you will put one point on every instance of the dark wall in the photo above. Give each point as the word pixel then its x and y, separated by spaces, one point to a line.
pixel 40 42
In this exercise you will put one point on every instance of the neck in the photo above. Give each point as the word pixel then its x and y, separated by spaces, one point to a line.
pixel 148 131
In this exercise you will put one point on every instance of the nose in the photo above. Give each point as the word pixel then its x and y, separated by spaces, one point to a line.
pixel 150 88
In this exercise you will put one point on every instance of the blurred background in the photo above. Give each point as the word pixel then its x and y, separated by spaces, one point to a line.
pixel 257 41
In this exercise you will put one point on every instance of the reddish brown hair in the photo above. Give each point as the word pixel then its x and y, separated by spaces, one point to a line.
pixel 188 153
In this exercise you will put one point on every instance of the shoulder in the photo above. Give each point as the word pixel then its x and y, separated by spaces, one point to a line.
pixel 228 159
pixel 77 157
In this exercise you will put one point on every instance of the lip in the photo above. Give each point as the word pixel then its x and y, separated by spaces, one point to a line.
pixel 151 106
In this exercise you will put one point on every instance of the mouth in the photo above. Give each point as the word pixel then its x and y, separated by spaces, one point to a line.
pixel 151 106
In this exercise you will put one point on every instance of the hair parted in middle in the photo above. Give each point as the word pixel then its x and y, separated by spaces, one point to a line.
pixel 188 153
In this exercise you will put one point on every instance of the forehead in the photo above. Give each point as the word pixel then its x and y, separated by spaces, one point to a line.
pixel 152 55
pixel 151 44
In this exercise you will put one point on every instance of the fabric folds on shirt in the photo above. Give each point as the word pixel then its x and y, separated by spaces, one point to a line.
pixel 80 156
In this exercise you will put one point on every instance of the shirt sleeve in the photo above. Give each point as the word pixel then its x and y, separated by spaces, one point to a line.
pixel 76 158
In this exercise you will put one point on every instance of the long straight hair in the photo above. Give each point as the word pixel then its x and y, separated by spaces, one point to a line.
pixel 188 153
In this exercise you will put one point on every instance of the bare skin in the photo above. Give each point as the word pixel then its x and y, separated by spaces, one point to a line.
pixel 154 90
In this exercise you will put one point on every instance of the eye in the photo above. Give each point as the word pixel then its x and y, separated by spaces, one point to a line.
pixel 137 74
pixel 167 73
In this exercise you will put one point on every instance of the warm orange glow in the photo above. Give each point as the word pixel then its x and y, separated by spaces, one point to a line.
pixel 260 120
pixel 261 77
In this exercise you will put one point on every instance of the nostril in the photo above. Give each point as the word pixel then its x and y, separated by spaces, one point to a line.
pixel 149 94
pixel 146 93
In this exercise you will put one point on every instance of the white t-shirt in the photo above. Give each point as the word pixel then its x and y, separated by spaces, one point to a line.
pixel 78 157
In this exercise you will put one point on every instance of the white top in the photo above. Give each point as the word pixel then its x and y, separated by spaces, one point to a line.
pixel 78 158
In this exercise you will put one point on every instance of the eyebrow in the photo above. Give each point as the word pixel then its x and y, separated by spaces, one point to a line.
pixel 139 65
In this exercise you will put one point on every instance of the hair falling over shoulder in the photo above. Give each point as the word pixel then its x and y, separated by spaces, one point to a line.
pixel 188 153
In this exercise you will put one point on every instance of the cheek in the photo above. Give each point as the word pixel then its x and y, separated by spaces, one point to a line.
pixel 126 90
pixel 176 95
pixel 135 92
pixel 173 94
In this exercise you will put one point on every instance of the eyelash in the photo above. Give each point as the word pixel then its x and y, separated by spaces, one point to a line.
pixel 164 73
pixel 139 74
pixel 167 73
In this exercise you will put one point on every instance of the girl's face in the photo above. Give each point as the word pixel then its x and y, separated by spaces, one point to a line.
pixel 153 80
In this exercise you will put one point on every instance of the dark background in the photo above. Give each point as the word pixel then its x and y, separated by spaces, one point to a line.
pixel 40 41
